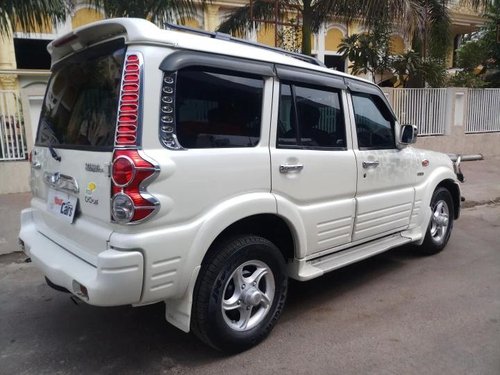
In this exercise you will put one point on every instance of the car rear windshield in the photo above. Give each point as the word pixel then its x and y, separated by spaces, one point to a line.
pixel 80 106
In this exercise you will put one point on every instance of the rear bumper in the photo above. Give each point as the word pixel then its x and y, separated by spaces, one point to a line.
pixel 116 278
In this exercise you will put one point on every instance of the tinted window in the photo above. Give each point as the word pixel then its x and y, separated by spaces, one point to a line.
pixel 216 109
pixel 374 123
pixel 80 106
pixel 287 134
pixel 318 114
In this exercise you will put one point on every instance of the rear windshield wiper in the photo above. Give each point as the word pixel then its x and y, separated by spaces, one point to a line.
pixel 54 153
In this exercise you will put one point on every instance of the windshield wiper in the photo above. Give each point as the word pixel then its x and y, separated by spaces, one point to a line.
pixel 54 153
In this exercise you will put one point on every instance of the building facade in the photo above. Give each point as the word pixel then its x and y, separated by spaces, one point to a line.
pixel 25 63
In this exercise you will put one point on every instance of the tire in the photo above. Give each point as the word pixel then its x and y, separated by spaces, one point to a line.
pixel 240 293
pixel 441 223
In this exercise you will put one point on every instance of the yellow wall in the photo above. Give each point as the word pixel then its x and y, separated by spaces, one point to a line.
pixel 7 54
pixel 333 39
pixel 266 35
pixel 84 16
pixel 45 28
pixel 397 45
pixel 190 22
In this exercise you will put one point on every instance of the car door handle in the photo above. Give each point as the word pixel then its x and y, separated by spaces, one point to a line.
pixel 370 164
pixel 36 165
pixel 287 168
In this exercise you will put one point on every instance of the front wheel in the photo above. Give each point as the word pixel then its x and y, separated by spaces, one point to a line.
pixel 441 224
pixel 240 293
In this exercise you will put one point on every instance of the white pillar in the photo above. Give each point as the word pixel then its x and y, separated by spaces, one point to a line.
pixel 320 48
pixel 253 34
pixel 211 17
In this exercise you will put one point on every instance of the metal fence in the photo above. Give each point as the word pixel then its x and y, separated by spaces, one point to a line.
pixel 425 108
pixel 482 111
pixel 12 134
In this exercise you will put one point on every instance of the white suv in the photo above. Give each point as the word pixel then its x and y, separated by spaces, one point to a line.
pixel 203 171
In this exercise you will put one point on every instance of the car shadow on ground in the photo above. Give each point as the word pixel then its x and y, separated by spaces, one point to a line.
pixel 308 295
pixel 129 339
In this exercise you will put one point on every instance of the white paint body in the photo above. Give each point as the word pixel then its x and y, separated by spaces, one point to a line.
pixel 331 206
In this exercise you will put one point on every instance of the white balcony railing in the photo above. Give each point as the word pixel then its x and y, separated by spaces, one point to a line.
pixel 12 132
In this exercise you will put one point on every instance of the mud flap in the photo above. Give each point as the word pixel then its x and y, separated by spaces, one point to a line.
pixel 178 311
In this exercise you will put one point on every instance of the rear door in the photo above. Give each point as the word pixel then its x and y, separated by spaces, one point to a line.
pixel 313 165
pixel 73 150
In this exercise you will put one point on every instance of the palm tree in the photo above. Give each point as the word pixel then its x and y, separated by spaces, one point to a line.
pixel 310 12
pixel 369 53
pixel 29 14
pixel 419 18
pixel 156 11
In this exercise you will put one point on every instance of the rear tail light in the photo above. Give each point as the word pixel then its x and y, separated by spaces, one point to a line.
pixel 128 110
pixel 123 171
pixel 131 173
pixel 122 208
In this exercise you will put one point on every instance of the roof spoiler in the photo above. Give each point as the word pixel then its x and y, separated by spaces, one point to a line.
pixel 97 32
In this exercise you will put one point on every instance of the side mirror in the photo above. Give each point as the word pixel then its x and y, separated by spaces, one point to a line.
pixel 408 134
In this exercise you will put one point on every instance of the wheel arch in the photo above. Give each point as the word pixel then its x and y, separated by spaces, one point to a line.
pixel 454 190
pixel 269 226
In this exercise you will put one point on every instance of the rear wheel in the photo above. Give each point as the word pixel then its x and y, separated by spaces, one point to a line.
pixel 240 293
pixel 441 224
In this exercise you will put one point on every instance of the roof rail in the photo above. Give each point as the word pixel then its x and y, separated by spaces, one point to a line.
pixel 224 36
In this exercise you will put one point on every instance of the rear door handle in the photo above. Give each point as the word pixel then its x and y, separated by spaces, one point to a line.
pixel 370 164
pixel 287 168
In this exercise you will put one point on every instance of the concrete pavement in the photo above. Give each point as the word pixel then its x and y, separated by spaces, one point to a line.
pixel 396 313
pixel 482 181
pixel 482 186
pixel 10 208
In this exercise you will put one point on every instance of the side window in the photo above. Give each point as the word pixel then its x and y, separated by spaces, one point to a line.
pixel 319 116
pixel 218 109
pixel 287 129
pixel 374 122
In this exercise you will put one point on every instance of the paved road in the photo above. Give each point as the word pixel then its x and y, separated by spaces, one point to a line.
pixel 393 314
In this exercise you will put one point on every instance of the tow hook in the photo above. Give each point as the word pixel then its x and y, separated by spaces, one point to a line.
pixel 457 170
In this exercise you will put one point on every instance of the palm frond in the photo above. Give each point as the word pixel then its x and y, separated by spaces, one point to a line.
pixel 157 11
pixel 439 33
pixel 167 10
pixel 240 20
pixel 476 4
pixel 28 14
pixel 322 12
pixel 371 12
